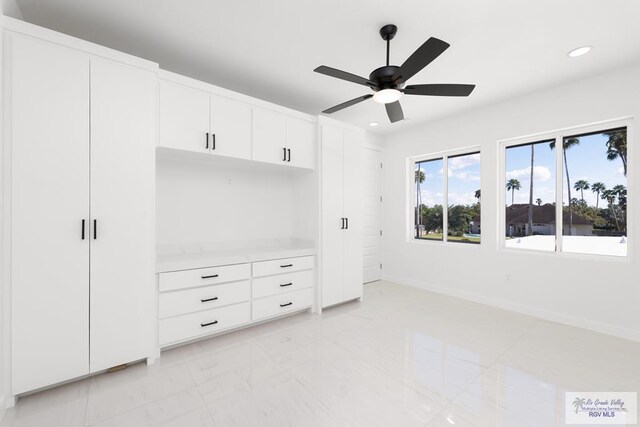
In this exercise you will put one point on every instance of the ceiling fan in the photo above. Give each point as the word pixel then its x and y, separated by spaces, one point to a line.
pixel 388 82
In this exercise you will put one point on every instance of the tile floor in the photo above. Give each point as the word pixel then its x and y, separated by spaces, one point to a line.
pixel 403 357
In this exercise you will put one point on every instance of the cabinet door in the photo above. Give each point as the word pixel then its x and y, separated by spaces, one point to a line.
pixel 332 214
pixel 49 119
pixel 301 140
pixel 123 102
pixel 269 136
pixel 353 261
pixel 230 128
pixel 184 118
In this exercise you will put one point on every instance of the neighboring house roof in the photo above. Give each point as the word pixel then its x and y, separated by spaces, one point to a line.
pixel 545 214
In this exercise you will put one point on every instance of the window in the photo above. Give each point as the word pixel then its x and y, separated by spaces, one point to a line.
pixel 452 181
pixel 572 199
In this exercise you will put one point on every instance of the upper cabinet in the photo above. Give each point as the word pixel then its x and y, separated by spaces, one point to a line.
pixel 282 139
pixel 194 120
pixel 184 118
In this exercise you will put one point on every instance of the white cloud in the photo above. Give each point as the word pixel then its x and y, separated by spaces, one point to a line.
pixel 540 173
pixel 463 175
pixel 462 198
pixel 462 162
pixel 620 170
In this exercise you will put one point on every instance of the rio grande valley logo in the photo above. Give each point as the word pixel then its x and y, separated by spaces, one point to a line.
pixel 601 408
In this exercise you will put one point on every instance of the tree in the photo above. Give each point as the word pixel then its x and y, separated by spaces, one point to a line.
pixel 478 195
pixel 580 186
pixel 617 147
pixel 530 213
pixel 566 144
pixel 598 187
pixel 538 202
pixel 420 177
pixel 610 197
pixel 512 185
pixel 621 192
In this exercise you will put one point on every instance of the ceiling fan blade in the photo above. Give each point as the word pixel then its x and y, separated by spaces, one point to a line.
pixel 349 103
pixel 394 111
pixel 439 90
pixel 343 75
pixel 422 57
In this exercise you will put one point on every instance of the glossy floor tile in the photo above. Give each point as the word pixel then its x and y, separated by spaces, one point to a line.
pixel 402 357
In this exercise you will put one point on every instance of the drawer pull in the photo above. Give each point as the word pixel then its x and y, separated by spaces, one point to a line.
pixel 209 299
pixel 286 265
pixel 284 305
pixel 286 284
pixel 202 325
pixel 209 277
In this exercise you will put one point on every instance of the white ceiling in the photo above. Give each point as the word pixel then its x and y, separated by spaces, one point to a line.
pixel 268 48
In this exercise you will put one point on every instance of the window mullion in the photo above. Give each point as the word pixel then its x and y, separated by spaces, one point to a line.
pixel 445 198
pixel 559 191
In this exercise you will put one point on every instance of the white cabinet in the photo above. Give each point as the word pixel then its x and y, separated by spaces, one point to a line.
pixel 184 118
pixel 49 118
pixel 123 121
pixel 282 139
pixel 194 120
pixel 82 212
pixel 341 183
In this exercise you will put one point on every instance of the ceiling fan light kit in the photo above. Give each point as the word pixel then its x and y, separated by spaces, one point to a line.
pixel 388 82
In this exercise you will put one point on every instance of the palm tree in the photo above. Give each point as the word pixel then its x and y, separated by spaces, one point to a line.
pixel 512 185
pixel 580 186
pixel 566 144
pixel 610 197
pixel 598 187
pixel 538 202
pixel 420 177
pixel 621 192
pixel 579 403
pixel 617 147
pixel 530 216
pixel 478 195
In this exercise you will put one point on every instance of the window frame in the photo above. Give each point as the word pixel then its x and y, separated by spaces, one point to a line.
pixel 411 192
pixel 558 135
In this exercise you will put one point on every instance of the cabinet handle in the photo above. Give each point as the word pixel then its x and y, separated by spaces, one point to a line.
pixel 286 284
pixel 202 325
pixel 284 305
pixel 289 154
pixel 284 154
pixel 342 222
pixel 209 299
pixel 83 221
pixel 286 265
pixel 213 141
pixel 209 277
pixel 347 224
pixel 95 229
pixel 207 145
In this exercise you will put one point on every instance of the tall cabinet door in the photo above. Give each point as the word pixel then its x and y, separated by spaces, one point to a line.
pixel 49 121
pixel 123 101
pixel 230 128
pixel 332 214
pixel 353 272
pixel 184 118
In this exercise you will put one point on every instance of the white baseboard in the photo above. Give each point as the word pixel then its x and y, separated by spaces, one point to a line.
pixel 6 402
pixel 540 313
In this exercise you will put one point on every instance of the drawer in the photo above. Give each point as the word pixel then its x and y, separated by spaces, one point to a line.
pixel 203 276
pixel 281 304
pixel 272 285
pixel 286 265
pixel 203 298
pixel 203 322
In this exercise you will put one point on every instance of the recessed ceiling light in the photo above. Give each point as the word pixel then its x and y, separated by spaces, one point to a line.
pixel 373 124
pixel 583 50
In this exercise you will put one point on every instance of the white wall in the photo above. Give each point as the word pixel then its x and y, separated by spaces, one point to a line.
pixel 203 202
pixel 599 294
pixel 10 8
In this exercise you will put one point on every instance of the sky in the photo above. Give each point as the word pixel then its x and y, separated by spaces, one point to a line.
pixel 586 161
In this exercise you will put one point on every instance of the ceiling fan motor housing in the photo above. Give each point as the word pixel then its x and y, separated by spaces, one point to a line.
pixel 383 77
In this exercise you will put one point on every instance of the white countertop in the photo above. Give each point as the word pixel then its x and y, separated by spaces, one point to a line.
pixel 201 255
